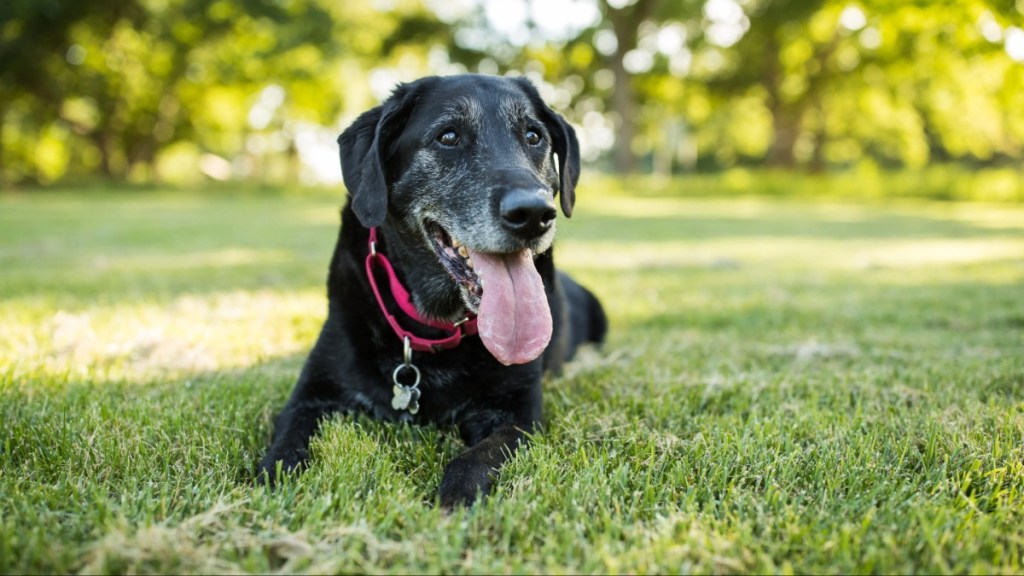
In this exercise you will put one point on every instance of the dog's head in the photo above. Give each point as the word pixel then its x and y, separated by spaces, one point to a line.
pixel 469 166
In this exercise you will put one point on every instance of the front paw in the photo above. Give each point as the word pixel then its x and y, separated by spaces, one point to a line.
pixel 274 467
pixel 466 480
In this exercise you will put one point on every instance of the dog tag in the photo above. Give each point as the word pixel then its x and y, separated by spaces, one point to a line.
pixel 402 397
pixel 405 398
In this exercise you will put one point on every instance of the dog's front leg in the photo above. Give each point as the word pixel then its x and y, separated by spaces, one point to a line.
pixel 294 428
pixel 471 474
pixel 316 396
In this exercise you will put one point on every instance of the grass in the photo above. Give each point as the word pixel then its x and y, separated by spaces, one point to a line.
pixel 789 386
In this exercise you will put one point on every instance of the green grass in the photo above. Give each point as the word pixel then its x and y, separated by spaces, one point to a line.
pixel 789 386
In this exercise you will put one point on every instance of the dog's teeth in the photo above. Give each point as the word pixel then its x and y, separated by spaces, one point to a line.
pixel 463 251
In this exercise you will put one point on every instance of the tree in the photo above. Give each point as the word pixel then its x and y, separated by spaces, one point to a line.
pixel 34 45
pixel 889 80
pixel 625 22
pixel 111 87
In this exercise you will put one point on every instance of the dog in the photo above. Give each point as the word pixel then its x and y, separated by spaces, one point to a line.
pixel 444 304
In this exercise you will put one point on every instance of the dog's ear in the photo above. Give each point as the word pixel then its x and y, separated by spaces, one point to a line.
pixel 362 147
pixel 563 143
pixel 568 149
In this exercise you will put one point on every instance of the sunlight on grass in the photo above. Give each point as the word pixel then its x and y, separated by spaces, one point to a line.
pixel 941 252
pixel 788 386
pixel 140 341
pixel 786 253
pixel 191 260
pixel 672 232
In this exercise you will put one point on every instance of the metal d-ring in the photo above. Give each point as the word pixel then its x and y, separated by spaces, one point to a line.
pixel 415 371
pixel 406 363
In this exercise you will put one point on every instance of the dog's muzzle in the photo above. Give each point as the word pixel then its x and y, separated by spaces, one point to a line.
pixel 527 213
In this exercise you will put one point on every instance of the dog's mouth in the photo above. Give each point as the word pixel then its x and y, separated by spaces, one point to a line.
pixel 504 290
pixel 455 258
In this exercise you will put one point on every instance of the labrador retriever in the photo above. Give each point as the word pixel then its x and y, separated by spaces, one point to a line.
pixel 444 305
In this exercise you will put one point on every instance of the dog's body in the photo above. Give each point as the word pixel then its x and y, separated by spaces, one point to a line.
pixel 458 176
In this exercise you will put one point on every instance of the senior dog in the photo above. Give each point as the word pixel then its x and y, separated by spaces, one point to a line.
pixel 444 303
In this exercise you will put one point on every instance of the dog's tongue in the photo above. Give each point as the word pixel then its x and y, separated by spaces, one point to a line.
pixel 514 320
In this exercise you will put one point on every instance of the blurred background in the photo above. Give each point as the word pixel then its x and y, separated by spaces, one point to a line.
pixel 193 91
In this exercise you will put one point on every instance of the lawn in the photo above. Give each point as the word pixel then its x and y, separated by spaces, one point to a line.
pixel 789 386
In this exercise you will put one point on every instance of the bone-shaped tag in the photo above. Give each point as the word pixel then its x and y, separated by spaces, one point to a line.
pixel 405 398
pixel 401 398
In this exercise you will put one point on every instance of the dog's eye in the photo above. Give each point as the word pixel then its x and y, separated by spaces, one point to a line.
pixel 532 137
pixel 448 138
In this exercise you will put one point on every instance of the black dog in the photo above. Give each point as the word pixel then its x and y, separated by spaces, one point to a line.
pixel 444 303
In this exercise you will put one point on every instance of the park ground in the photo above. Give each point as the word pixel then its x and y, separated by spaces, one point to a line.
pixel 791 384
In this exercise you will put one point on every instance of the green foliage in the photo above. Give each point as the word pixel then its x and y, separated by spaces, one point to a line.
pixel 790 386
pixel 177 90
pixel 866 182
pixel 124 82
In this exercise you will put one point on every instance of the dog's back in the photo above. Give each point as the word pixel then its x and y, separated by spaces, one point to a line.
pixel 587 320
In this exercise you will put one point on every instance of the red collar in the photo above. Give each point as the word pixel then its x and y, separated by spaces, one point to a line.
pixel 466 327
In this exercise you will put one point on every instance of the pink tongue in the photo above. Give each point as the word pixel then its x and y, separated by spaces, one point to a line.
pixel 514 320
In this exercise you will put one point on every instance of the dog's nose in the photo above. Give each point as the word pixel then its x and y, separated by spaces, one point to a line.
pixel 527 213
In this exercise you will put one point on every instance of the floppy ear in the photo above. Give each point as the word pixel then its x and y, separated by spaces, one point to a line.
pixel 563 143
pixel 362 146
pixel 568 149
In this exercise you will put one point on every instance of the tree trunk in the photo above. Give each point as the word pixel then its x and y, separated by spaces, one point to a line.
pixel 788 117
pixel 622 104
pixel 787 120
pixel 817 85
pixel 102 143
pixel 820 139
pixel 3 117
pixel 625 23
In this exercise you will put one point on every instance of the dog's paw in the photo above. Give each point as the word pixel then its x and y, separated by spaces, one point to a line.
pixel 271 470
pixel 466 480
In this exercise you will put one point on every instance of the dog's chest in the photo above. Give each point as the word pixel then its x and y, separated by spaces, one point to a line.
pixel 430 393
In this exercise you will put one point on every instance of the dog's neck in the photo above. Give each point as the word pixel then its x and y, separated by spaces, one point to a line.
pixel 454 331
pixel 431 289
